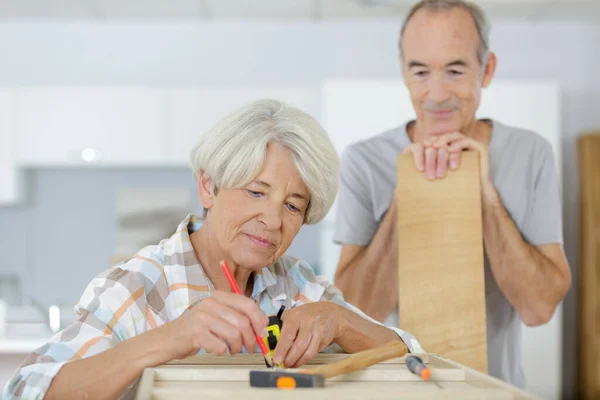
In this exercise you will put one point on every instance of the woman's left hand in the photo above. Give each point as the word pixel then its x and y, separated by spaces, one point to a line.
pixel 306 331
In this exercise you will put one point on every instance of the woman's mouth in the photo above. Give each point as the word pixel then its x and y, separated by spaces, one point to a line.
pixel 260 241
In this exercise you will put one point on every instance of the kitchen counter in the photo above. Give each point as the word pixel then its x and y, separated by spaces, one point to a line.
pixel 14 345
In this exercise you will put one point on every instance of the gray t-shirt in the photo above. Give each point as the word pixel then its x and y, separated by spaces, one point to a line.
pixel 523 170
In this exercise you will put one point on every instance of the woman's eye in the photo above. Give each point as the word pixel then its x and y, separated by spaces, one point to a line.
pixel 253 193
pixel 293 208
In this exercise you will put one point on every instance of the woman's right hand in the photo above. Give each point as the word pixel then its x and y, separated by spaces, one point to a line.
pixel 221 321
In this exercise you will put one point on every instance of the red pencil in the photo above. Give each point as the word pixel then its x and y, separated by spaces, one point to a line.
pixel 235 289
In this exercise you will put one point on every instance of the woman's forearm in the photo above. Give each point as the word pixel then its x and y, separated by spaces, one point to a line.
pixel 358 333
pixel 108 374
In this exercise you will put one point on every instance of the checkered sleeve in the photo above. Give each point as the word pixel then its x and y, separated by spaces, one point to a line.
pixel 112 309
pixel 317 288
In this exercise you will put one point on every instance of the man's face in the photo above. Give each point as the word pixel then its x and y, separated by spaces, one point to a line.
pixel 442 71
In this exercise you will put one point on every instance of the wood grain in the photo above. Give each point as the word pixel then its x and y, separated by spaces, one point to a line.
pixel 146 385
pixel 235 373
pixel 257 359
pixel 355 390
pixel 440 261
pixel 589 266
pixel 449 380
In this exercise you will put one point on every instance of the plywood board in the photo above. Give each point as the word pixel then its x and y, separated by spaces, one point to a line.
pixel 589 290
pixel 376 373
pixel 221 381
pixel 440 261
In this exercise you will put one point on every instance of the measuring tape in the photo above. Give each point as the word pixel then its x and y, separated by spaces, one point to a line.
pixel 273 332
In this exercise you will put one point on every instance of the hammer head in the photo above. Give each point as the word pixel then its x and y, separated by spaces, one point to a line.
pixel 283 379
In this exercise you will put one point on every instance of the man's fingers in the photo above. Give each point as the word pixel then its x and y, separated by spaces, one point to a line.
pixel 417 151
pixel 286 340
pixel 446 139
pixel 430 162
pixel 455 158
pixel 419 157
pixel 442 162
pixel 465 144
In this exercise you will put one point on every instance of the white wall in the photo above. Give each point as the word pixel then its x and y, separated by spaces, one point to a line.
pixel 192 54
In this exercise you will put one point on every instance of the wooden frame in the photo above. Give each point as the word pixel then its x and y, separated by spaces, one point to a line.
pixel 212 377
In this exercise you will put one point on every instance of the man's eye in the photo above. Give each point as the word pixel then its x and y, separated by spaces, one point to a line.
pixel 455 72
pixel 253 193
pixel 421 74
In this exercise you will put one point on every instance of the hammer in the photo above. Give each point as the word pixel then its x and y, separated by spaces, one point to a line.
pixel 315 377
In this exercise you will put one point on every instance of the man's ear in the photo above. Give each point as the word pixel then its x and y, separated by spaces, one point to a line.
pixel 206 191
pixel 489 70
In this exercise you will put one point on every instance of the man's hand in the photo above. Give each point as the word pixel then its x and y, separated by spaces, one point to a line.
pixel 307 330
pixel 434 156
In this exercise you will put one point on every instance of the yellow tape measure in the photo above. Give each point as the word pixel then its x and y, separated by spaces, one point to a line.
pixel 273 332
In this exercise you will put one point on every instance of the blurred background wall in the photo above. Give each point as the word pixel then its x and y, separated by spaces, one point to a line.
pixel 64 227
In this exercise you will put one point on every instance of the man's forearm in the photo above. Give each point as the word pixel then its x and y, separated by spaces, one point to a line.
pixel 370 282
pixel 529 280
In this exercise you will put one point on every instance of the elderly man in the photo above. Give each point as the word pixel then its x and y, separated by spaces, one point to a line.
pixel 263 171
pixel 446 61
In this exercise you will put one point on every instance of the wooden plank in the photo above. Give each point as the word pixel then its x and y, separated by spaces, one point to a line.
pixel 589 269
pixel 480 380
pixel 440 261
pixel 146 386
pixel 258 360
pixel 418 390
pixel 170 382
pixel 382 372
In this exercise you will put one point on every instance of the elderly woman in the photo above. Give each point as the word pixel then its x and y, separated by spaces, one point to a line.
pixel 262 172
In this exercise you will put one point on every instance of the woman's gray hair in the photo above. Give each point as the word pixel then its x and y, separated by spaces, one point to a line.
pixel 481 22
pixel 232 152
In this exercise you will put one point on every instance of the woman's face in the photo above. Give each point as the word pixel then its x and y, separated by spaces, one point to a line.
pixel 255 225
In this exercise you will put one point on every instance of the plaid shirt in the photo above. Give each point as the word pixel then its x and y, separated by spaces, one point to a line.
pixel 156 287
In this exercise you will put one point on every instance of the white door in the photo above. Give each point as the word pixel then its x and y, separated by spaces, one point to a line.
pixel 63 126
pixel 356 110
pixel 195 110
pixel 9 182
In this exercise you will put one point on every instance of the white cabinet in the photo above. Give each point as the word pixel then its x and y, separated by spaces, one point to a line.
pixel 63 126
pixel 195 110
pixel 9 182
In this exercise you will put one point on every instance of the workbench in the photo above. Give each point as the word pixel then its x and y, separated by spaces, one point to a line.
pixel 227 377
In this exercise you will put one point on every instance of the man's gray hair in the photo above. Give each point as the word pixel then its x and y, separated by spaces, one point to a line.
pixel 233 151
pixel 481 22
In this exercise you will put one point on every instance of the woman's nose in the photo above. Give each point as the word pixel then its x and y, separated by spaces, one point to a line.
pixel 271 217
